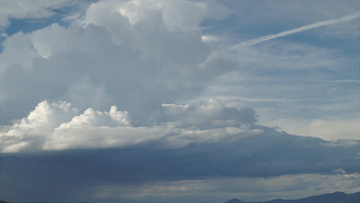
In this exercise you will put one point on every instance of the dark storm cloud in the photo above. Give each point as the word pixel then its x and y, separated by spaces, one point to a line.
pixel 76 172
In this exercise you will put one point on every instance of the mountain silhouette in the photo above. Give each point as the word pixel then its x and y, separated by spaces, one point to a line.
pixel 235 201
pixel 336 197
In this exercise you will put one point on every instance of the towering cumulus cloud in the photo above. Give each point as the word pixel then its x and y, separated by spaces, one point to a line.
pixel 168 101
pixel 58 126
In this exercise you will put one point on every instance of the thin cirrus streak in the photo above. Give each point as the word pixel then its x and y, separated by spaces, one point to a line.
pixel 296 30
pixel 282 34
pixel 337 81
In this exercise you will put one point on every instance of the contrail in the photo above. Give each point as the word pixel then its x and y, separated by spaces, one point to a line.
pixel 337 81
pixel 293 31
pixel 282 34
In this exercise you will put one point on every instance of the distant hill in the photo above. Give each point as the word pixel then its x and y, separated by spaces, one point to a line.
pixel 336 197
pixel 235 201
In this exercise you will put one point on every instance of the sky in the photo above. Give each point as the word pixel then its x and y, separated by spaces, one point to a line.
pixel 178 101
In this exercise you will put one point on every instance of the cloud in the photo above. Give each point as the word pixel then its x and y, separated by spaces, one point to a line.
pixel 137 65
pixel 209 114
pixel 338 81
pixel 182 15
pixel 251 42
pixel 112 52
pixel 57 126
pixel 269 162
pixel 296 30
pixel 333 129
pixel 218 136
pixel 286 90
pixel 86 92
pixel 18 47
pixel 29 132
pixel 118 102
pixel 327 129
pixel 37 9
pixel 193 150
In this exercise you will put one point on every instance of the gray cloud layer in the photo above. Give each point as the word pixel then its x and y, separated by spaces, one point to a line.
pixel 267 154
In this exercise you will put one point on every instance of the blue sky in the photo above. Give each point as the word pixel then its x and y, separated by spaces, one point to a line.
pixel 176 101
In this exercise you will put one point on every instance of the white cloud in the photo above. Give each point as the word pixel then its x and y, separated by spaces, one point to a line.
pixel 30 132
pixel 156 27
pixel 94 129
pixel 129 71
pixel 55 39
pixel 327 128
pixel 60 57
pixel 211 113
pixel 131 65
pixel 18 51
pixel 90 117
pixel 56 126
pixel 177 14
pixel 141 55
pixel 45 117
pixel 84 93
pixel 209 39
pixel 35 9
pixel 22 49
pixel 335 129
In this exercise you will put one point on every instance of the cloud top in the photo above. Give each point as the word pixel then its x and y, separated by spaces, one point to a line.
pixel 59 126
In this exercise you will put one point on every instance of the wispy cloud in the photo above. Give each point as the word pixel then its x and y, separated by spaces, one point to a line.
pixel 296 30
pixel 337 81
pixel 281 34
